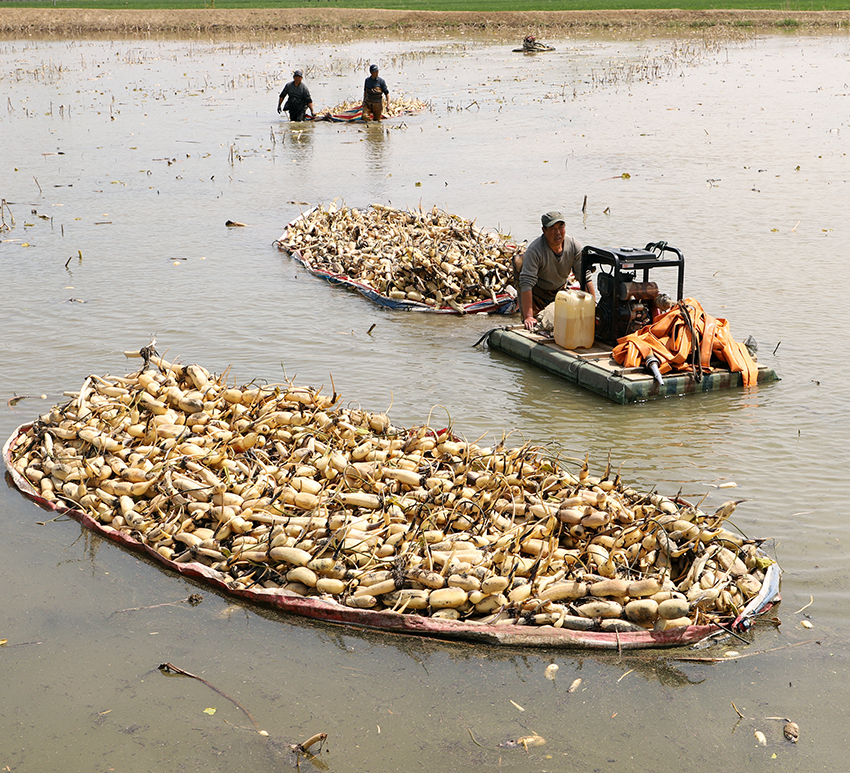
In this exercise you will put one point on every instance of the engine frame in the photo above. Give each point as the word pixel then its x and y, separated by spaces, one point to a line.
pixel 626 265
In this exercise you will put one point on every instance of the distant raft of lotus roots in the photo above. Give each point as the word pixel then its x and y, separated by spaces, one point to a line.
pixel 432 257
pixel 400 105
pixel 282 487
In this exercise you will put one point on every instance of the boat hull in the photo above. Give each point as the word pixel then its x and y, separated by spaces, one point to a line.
pixel 596 370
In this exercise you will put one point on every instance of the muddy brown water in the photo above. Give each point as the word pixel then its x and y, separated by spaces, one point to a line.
pixel 121 162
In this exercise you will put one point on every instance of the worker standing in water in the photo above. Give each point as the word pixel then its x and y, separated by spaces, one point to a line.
pixel 374 91
pixel 298 99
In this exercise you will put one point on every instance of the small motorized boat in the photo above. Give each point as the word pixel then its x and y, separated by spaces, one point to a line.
pixel 530 45
pixel 642 344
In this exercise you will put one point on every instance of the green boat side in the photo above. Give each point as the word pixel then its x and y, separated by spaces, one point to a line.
pixel 596 370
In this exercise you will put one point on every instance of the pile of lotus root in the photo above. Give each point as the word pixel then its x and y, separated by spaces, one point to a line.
pixel 431 257
pixel 280 486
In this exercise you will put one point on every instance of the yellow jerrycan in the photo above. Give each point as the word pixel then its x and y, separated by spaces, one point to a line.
pixel 575 319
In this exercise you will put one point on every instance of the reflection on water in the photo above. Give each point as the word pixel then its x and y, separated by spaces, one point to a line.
pixel 122 165
pixel 298 136
pixel 377 144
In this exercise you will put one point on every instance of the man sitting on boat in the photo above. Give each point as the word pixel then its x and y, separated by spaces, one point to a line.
pixel 530 43
pixel 546 266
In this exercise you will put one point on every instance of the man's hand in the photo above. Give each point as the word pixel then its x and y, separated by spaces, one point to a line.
pixel 529 323
pixel 278 109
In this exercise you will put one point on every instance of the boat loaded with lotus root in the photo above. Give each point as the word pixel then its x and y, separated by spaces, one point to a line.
pixel 637 342
pixel 351 111
pixel 429 261
pixel 280 495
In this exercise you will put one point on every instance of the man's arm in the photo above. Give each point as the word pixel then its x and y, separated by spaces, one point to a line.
pixel 527 267
pixel 585 282
pixel 308 99
pixel 526 306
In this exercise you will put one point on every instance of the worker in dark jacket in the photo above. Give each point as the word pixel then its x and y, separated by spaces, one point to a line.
pixel 374 91
pixel 299 99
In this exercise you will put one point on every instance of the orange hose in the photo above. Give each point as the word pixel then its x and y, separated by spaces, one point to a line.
pixel 670 339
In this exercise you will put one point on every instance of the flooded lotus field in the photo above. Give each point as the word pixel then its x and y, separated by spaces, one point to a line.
pixel 122 161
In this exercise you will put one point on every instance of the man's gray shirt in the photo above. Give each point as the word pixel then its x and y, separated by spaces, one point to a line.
pixel 542 267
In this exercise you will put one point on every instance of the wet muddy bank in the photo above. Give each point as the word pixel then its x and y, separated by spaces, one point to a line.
pixel 31 21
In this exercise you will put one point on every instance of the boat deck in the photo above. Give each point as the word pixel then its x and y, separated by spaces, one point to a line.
pixel 595 369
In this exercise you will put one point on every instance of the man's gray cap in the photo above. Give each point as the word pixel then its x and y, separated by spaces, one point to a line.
pixel 550 218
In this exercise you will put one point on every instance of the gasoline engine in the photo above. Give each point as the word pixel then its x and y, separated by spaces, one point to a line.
pixel 628 299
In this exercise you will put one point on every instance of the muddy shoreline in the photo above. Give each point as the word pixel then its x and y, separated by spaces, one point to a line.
pixel 71 21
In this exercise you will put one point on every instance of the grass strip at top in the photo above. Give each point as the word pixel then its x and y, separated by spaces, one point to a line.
pixel 478 6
